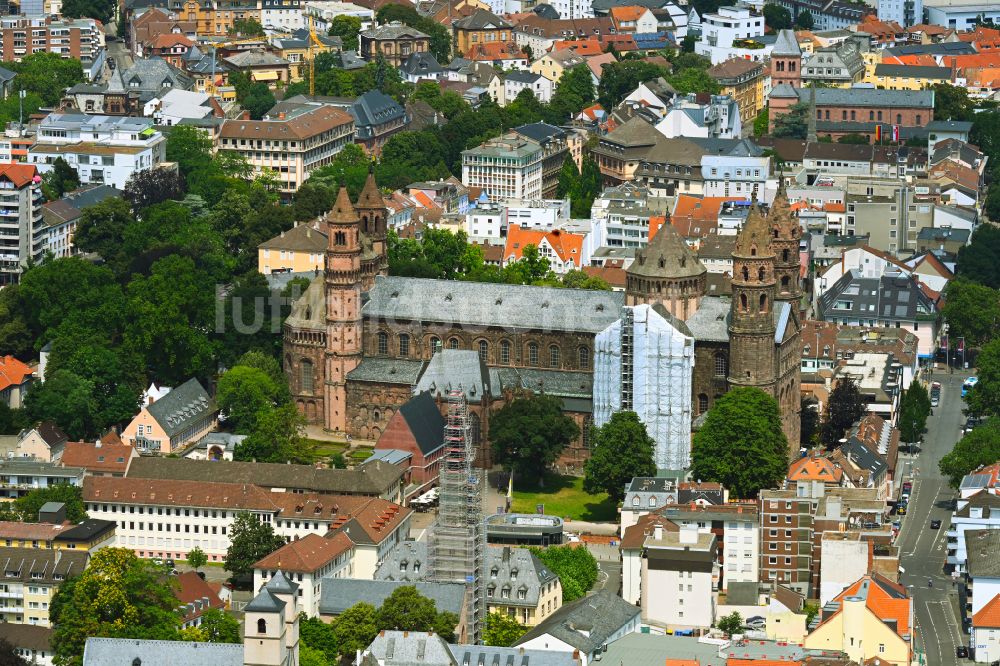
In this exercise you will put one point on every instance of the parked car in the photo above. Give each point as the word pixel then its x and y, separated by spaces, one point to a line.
pixel 935 524
pixel 756 622
pixel 901 510
pixel 962 652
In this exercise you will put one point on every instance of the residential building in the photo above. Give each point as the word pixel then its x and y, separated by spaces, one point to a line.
pixel 728 176
pixel 195 596
pixel 562 249
pixel 786 535
pixel 376 118
pixel 619 152
pixel 539 86
pixel 844 559
pixel 507 56
pixel 685 560
pixel 100 458
pixel 827 14
pixel 300 249
pixel 986 631
pixel 31 578
pixel 731 32
pixel 904 13
pixel 168 518
pixel 743 81
pixel 429 649
pixel 736 528
pixel 838 66
pixel 80 38
pixel 128 89
pixel 557 144
pixel 909 77
pixel 982 569
pixel 394 41
pixel 626 216
pixel 480 27
pixel 584 626
pixel 261 66
pixel 19 476
pixel 633 19
pixel 517 583
pixel 170 424
pixel 15 380
pixel 31 643
pixel 43 442
pixel 299 47
pixel 554 64
pixel 307 561
pixel 339 594
pixel 102 149
pixel 871 619
pixel 644 495
pixel 508 167
pixel 291 145
pixel 90 535
pixel 171 47
pixel 422 66
pixel 699 115
pixel 961 14
pixel 61 217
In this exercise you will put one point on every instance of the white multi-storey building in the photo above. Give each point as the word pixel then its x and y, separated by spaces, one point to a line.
pixel 168 518
pixel 22 235
pixel 685 116
pixel 722 32
pixel 307 561
pixel 731 176
pixel 102 149
pixel 678 579
pixel 740 541
pixel 505 168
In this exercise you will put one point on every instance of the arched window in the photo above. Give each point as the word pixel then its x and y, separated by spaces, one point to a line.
pixel 261 626
pixel 784 255
pixel 340 238
pixel 763 302
pixel 775 232
pixel 746 274
pixel 583 356
pixel 475 428
pixel 702 403
pixel 554 360
pixel 753 250
pixel 376 415
pixel 743 302
pixel 533 354
pixel 435 344
pixel 504 352
pixel 307 375
pixel 484 351
pixel 785 283
pixel 404 344
pixel 760 273
pixel 383 343
pixel 635 501
pixel 652 502
pixel 453 343
pixel 721 365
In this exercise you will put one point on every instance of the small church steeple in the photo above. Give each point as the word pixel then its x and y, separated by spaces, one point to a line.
pixel 786 234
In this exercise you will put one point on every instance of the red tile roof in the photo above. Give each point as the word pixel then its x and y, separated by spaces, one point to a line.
pixel 696 217
pixel 19 174
pixel 13 372
pixel 192 589
pixel 170 39
pixel 885 599
pixel 582 47
pixel 613 275
pixel 306 555
pixel 567 246
pixel 814 468
pixel 33 531
pixel 989 615
pixel 112 458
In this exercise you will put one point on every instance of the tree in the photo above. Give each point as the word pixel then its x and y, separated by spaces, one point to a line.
pixel 218 625
pixel 190 147
pixel 47 75
pixel 980 446
pixel 118 595
pixel 985 132
pixel 914 408
pixel 247 28
pixel 310 657
pixel 793 124
pixel 622 450
pixel 67 399
pixel 844 408
pixel 529 433
pixel 952 102
pixel 693 80
pixel 277 436
pixel 741 444
pixel 777 17
pixel 763 119
pixel 318 635
pixel 64 493
pixel 619 79
pixel 101 229
pixel 349 169
pixel 979 261
pixel 573 93
pixel 502 630
pixel 853 139
pixel 152 186
pixel 61 179
pixel 569 176
pixel 244 395
pixel 407 610
pixel 576 567
pixel 984 398
pixel 577 279
pixel 12 421
pixel 249 541
pixel 197 558
pixel 972 311
pixel 256 98
pixel 356 628
pixel 347 28
pixel 9 655
pixel 809 422
pixel 804 20
pixel 730 624
pixel 588 188
pixel 101 10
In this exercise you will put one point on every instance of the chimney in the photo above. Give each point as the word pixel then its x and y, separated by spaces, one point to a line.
pixel 281 115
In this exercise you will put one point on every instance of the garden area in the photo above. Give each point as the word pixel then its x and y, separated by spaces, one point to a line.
pixel 326 451
pixel 565 497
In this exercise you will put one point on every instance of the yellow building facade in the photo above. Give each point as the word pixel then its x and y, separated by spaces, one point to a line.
pixel 298 250
pixel 216 17
pixel 743 80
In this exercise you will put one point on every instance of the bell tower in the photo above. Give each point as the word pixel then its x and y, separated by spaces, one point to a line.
pixel 343 307
pixel 372 213
pixel 786 234
pixel 751 323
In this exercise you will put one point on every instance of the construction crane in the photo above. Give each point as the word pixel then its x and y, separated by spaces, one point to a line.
pixel 313 41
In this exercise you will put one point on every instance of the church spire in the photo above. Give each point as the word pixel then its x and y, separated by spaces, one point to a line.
pixel 754 239
pixel 343 210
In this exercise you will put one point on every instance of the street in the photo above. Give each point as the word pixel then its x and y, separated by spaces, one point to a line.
pixel 117 51
pixel 923 550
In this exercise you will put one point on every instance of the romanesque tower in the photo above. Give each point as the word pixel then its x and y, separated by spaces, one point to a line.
pixel 786 234
pixel 343 307
pixel 372 213
pixel 751 325
pixel 667 271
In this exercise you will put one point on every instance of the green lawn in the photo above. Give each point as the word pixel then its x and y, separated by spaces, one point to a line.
pixel 564 496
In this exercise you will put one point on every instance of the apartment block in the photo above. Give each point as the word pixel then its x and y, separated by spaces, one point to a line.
pixel 19 476
pixel 290 145
pixel 679 574
pixel 738 541
pixel 508 167
pixel 22 236
pixel 307 561
pixel 102 149
pixel 786 539
pixel 30 580
pixel 21 36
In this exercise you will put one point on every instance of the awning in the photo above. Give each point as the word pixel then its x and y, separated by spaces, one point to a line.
pixel 265 76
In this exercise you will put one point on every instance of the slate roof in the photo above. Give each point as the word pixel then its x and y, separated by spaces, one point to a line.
pixel 482 19
pixel 457 368
pixel 983 553
pixel 521 76
pixel 150 74
pixel 255 58
pixel 425 422
pixel 913 71
pixel 593 619
pixel 408 648
pixel 392 30
pixel 385 369
pixel 339 594
pixel 874 97
pixel 886 298
pixel 667 256
pixel 309 237
pixel 786 44
pixel 118 651
pixel 479 304
pixel 375 108
pixel 366 480
pixel 264 602
pixel 6 75
pixel 864 457
pixel 42 567
pixel 182 406
pixel 944 234
pixel 70 206
pixel 554 382
pixel 421 63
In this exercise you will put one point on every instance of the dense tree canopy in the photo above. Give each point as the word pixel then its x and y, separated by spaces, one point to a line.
pixel 793 124
pixel 777 17
pixel 952 102
pixel 249 540
pixel 529 433
pixel 844 408
pixel 972 311
pixel 621 451
pixel 347 28
pixel 980 446
pixel 618 79
pixel 408 610
pixel 741 444
pixel 46 74
pixel 984 398
pixel 979 261
pixel 502 630
pixel 576 567
pixel 914 408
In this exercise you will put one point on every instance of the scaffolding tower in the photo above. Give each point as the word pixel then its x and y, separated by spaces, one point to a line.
pixel 457 541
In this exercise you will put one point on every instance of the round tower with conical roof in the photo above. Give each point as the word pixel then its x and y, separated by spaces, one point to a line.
pixel 668 272
pixel 343 307
pixel 751 322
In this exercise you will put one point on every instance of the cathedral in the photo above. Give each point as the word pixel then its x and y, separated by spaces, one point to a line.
pixel 359 343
